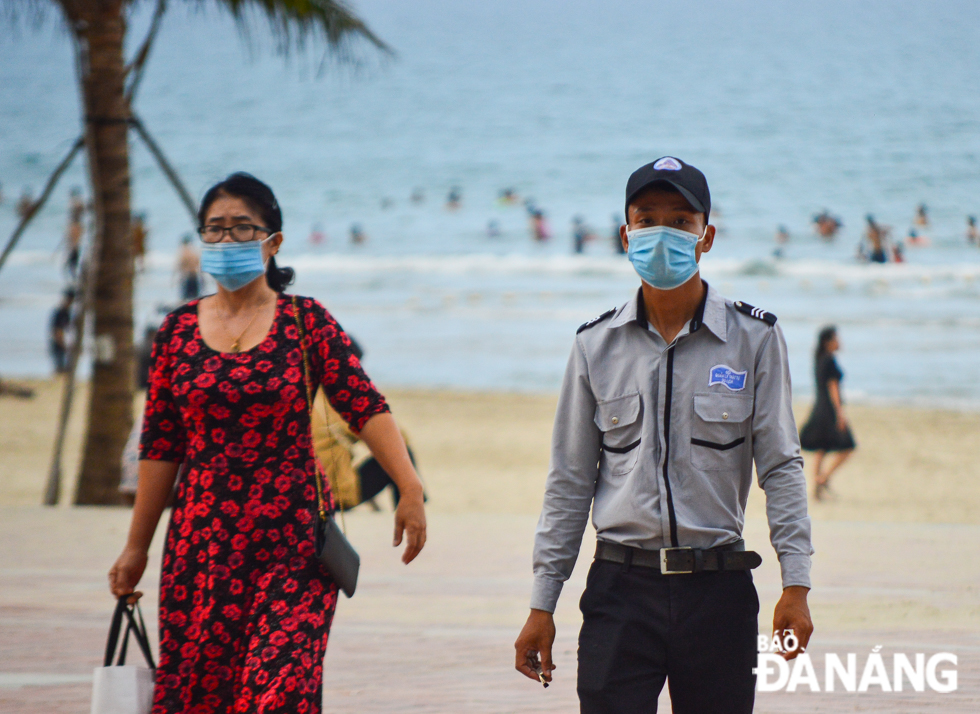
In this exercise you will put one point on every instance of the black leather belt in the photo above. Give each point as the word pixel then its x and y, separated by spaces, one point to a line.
pixel 681 561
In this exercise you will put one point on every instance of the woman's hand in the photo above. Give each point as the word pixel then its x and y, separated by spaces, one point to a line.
pixel 841 422
pixel 125 574
pixel 410 522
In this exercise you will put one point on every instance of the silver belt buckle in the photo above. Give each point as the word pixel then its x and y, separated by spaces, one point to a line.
pixel 663 561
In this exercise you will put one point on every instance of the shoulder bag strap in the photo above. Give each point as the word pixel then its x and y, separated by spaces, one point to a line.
pixel 321 504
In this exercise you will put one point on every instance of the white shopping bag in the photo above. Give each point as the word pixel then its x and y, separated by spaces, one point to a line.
pixel 120 688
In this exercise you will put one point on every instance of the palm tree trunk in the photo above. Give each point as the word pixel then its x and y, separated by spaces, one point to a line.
pixel 100 28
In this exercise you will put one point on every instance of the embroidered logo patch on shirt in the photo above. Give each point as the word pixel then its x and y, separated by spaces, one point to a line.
pixel 667 163
pixel 723 374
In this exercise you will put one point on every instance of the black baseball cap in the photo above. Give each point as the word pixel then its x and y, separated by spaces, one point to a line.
pixel 689 181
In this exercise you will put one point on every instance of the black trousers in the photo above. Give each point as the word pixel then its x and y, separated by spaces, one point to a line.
pixel 696 632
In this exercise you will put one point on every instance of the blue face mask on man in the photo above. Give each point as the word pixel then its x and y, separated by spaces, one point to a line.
pixel 233 265
pixel 664 257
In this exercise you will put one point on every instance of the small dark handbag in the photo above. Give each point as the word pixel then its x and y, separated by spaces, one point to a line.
pixel 332 547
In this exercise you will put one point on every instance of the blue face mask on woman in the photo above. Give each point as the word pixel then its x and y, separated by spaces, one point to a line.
pixel 664 257
pixel 233 265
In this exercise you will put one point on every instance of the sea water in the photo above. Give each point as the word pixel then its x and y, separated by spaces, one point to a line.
pixel 789 108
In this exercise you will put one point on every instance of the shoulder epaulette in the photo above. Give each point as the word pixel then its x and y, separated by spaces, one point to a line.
pixel 757 312
pixel 595 320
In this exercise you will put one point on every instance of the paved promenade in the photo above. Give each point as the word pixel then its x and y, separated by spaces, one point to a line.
pixel 437 636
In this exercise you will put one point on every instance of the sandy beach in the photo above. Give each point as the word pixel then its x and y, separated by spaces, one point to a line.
pixel 488 453
pixel 896 565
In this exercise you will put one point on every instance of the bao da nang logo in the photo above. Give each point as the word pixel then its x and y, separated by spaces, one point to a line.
pixel 873 672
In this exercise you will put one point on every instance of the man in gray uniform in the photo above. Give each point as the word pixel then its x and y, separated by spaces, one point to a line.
pixel 666 402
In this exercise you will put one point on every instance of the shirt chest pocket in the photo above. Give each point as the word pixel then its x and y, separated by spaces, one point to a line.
pixel 620 422
pixel 719 430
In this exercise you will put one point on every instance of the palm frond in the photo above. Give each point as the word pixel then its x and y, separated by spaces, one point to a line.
pixel 297 23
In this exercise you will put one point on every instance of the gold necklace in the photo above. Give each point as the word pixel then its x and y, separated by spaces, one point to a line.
pixel 235 346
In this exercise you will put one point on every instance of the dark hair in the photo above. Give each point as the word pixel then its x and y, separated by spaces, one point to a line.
pixel 260 198
pixel 823 337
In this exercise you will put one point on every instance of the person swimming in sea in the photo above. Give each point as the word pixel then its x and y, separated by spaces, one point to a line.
pixel 826 225
pixel 455 199
pixel 972 234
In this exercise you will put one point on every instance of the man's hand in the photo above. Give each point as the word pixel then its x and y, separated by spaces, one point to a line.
pixel 792 613
pixel 536 639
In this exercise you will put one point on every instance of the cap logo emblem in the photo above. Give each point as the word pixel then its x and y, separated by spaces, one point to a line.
pixel 668 163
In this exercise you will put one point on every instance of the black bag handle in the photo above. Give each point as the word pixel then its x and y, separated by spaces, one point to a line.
pixel 134 625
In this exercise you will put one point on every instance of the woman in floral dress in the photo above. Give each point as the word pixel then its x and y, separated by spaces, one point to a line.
pixel 245 605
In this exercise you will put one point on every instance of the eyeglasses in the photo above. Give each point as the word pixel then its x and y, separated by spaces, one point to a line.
pixel 242 233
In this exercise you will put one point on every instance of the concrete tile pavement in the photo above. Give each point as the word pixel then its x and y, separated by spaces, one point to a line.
pixel 437 636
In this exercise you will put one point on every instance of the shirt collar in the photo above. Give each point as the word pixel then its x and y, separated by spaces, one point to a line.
pixel 711 313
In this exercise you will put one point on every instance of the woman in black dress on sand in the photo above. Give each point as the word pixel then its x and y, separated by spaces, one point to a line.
pixel 827 429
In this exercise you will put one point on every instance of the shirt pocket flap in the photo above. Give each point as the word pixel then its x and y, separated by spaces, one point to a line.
pixel 617 413
pixel 723 408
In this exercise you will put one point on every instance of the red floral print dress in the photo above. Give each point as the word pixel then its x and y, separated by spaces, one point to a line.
pixel 245 606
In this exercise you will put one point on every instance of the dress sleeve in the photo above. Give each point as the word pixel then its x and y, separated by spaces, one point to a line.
pixel 337 368
pixel 163 437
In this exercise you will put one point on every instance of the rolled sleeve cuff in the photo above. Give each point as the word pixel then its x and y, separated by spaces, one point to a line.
pixel 544 594
pixel 796 570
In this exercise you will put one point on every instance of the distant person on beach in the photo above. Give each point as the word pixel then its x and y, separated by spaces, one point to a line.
pixel 493 229
pixel 826 225
pixel 139 233
pixel 418 196
pixel 357 235
pixel 666 403
pixel 921 216
pixel 876 236
pixel 508 197
pixel 188 269
pixel 75 230
pixel 614 235
pixel 827 429
pixel 317 236
pixel 26 203
pixel 540 229
pixel 972 234
pixel 782 239
pixel 234 374
pixel 58 328
pixel 581 234
pixel 454 199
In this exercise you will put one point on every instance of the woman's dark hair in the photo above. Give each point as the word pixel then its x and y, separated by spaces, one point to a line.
pixel 260 198
pixel 823 338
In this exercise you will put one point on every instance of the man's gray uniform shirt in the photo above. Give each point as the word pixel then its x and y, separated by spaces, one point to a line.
pixel 662 438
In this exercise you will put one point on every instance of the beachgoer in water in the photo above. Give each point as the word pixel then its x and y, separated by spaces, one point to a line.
pixel 782 238
pixel 508 197
pixel 876 236
pixel 826 225
pixel 540 230
pixel 418 196
pixel 317 236
pixel 357 235
pixel 493 229
pixel 189 269
pixel 921 216
pixel 972 234
pixel 387 202
pixel 455 199
pixel 26 203
pixel 916 239
pixel 614 235
pixel 581 234
pixel 60 322
pixel 139 233
pixel 827 430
